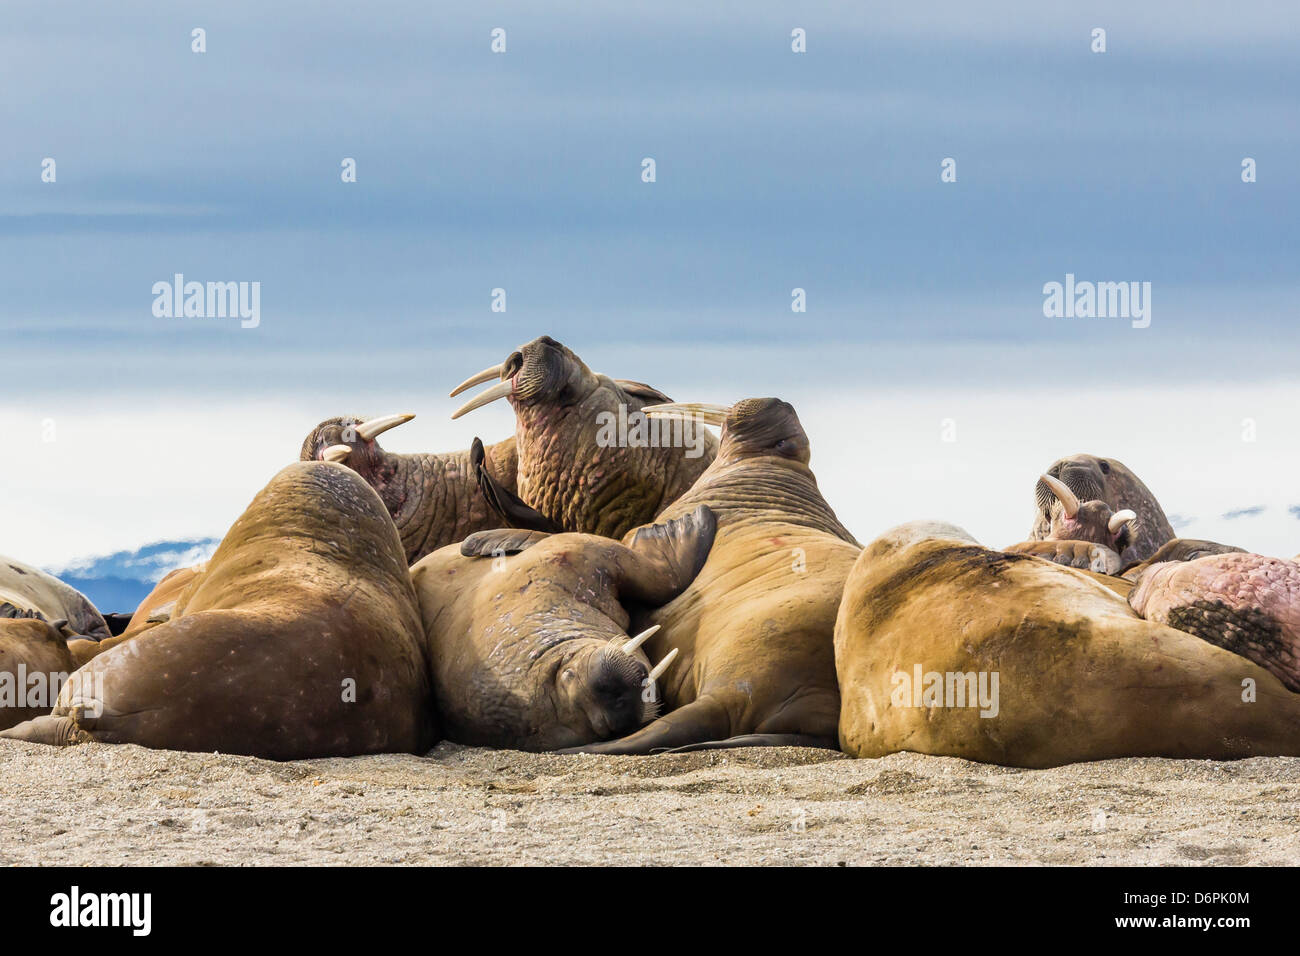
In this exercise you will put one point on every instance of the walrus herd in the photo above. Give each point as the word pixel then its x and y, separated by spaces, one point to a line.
pixel 614 578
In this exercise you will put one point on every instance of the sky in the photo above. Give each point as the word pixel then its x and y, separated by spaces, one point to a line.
pixel 775 170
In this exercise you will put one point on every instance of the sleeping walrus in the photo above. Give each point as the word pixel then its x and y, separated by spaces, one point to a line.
pixel 300 639
pixel 949 648
pixel 527 632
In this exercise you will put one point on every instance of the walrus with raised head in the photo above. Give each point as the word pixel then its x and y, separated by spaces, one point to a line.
pixel 754 629
pixel 1083 534
pixel 1090 478
pixel 434 499
pixel 527 632
pixel 300 639
pixel 589 461
pixel 949 648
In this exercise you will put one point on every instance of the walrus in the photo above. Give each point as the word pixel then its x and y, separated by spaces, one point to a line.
pixel 29 589
pixel 1091 478
pixel 588 461
pixel 527 632
pixel 300 639
pixel 1247 603
pixel 755 626
pixel 35 662
pixel 1083 534
pixel 434 499
pixel 946 647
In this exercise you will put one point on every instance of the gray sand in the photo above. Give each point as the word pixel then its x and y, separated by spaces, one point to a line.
pixel 98 804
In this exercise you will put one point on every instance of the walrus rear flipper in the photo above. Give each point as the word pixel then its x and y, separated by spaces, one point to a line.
pixel 761 740
pixel 510 507
pixel 57 731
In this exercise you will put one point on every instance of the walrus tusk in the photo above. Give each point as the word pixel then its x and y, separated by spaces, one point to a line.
pixel 628 647
pixel 662 665
pixel 477 378
pixel 377 426
pixel 700 411
pixel 1119 519
pixel 1063 494
pixel 336 453
pixel 500 390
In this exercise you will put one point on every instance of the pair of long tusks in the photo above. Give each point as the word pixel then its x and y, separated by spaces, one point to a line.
pixel 372 429
pixel 661 666
pixel 699 411
pixel 1119 519
pixel 500 390
pixel 1063 494
pixel 477 379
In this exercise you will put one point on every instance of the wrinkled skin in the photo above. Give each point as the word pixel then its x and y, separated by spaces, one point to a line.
pixel 1109 481
pixel 565 472
pixel 1080 675
pixel 1247 603
pixel 27 589
pixel 34 663
pixel 300 639
pixel 434 499
pixel 754 628
pixel 523 629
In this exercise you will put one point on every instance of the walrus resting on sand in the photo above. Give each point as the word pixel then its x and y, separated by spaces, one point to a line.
pixel 1091 478
pixel 587 460
pixel 946 647
pixel 527 632
pixel 434 499
pixel 301 639
pixel 755 626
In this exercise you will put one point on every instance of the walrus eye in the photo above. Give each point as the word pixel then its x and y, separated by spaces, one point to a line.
pixel 1105 468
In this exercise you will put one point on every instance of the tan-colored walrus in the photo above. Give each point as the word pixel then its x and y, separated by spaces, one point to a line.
pixel 935 631
pixel 1104 479
pixel 527 632
pixel 754 629
pixel 301 639
pixel 588 460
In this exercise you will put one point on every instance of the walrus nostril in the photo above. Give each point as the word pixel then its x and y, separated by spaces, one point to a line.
pixel 512 365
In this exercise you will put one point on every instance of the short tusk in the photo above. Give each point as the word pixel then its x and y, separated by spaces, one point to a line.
pixel 662 665
pixel 699 411
pixel 336 453
pixel 477 379
pixel 500 390
pixel 637 641
pixel 1063 494
pixel 1119 519
pixel 377 426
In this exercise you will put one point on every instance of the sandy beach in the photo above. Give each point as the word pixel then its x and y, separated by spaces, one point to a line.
pixel 96 804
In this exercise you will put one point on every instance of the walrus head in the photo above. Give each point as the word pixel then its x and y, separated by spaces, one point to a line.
pixel 580 465
pixel 751 428
pixel 599 690
pixel 350 440
pixel 1093 521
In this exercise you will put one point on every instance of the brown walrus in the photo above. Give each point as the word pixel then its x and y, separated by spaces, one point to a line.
pixel 301 639
pixel 1104 479
pixel 588 460
pixel 935 631
pixel 527 632
pixel 434 499
pixel 35 662
pixel 755 626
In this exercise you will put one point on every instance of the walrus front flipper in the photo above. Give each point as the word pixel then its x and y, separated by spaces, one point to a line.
pixel 761 740
pixel 666 557
pixel 703 719
pixel 493 544
pixel 510 507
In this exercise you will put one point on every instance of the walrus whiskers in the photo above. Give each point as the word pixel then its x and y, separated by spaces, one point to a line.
pixel 478 378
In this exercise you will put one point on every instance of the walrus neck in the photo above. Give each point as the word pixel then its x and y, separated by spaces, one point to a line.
pixel 761 489
pixel 426 520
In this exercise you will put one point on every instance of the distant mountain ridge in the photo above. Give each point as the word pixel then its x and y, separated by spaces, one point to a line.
pixel 118 582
